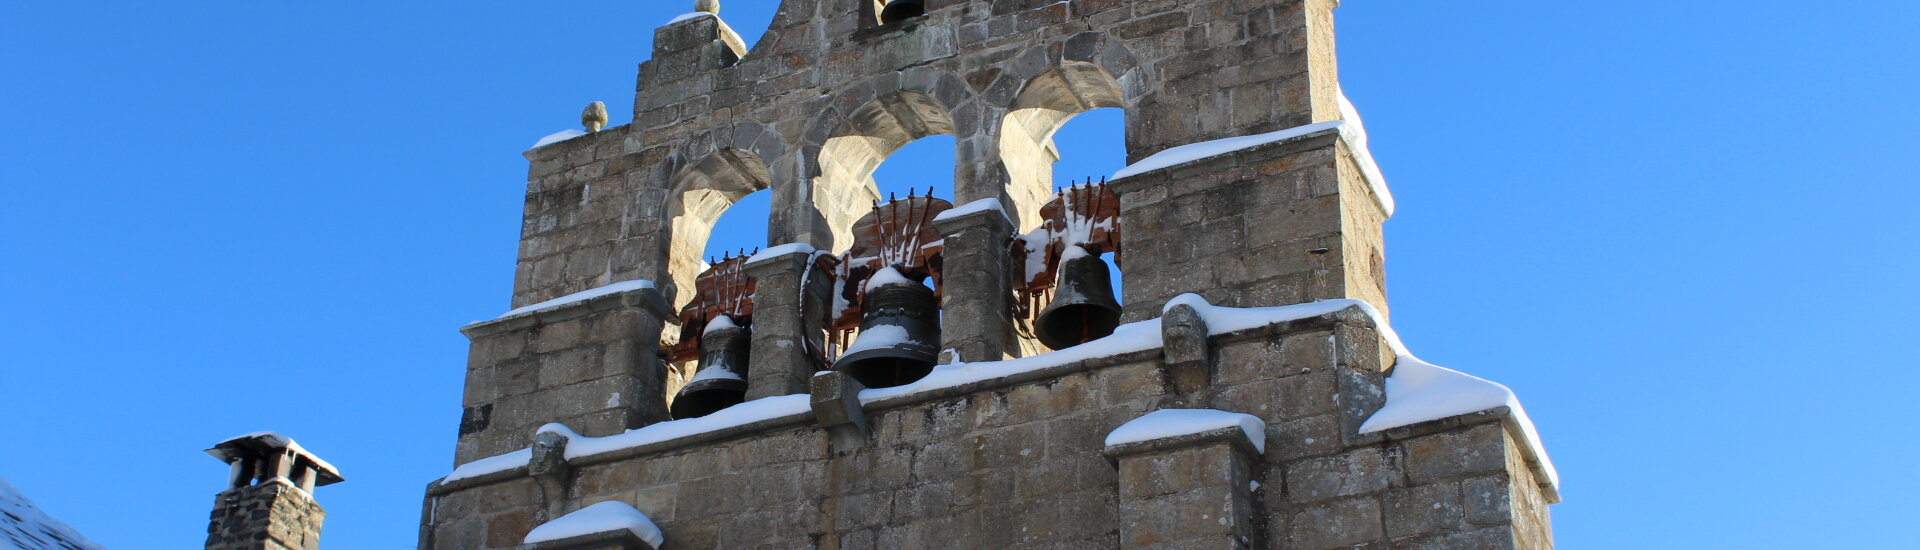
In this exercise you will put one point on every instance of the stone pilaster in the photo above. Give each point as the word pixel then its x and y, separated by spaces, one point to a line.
pixel 975 296
pixel 788 303
pixel 1282 223
pixel 1192 491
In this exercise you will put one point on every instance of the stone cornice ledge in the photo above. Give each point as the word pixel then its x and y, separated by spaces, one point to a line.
pixel 1232 435
pixel 1321 134
pixel 621 539
pixel 645 299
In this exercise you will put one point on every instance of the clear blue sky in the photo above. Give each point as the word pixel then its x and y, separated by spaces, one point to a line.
pixel 1682 232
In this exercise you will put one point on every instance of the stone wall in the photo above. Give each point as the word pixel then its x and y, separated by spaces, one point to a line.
pixel 592 365
pixel 1021 463
pixel 1282 223
pixel 822 99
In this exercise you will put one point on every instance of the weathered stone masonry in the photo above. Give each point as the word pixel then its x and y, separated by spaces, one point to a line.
pixel 822 99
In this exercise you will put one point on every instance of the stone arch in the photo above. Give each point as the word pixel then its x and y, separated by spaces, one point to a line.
pixel 1045 87
pixel 698 194
pixel 863 126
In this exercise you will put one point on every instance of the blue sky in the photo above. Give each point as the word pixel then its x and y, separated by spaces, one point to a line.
pixel 1682 233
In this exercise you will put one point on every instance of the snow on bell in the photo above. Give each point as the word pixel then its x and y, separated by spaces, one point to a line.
pixel 899 333
pixel 721 381
pixel 898 10
pixel 1083 307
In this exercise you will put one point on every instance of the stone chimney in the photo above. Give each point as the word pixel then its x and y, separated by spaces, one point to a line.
pixel 268 503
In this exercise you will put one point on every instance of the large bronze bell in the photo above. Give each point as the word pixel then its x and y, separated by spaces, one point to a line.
pixel 721 381
pixel 1083 307
pixel 898 10
pixel 899 338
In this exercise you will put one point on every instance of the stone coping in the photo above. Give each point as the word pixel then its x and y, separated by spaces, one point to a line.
pixel 1231 435
pixel 647 299
pixel 588 141
pixel 1296 144
pixel 1508 422
pixel 618 539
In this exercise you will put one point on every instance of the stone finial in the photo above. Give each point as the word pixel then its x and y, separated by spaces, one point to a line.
pixel 594 117
pixel 708 6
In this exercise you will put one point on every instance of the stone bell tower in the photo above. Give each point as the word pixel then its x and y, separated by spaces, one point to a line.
pixel 955 372
pixel 268 503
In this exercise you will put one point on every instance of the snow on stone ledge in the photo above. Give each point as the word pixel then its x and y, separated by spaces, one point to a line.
pixel 607 516
pixel 1165 423
pixel 1127 338
pixel 581 296
pixel 557 137
pixel 686 16
pixel 981 205
pixel 767 408
pixel 782 250
pixel 1417 391
pixel 490 465
pixel 1352 132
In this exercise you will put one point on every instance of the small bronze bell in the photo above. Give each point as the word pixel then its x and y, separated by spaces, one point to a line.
pixel 1083 307
pixel 721 381
pixel 899 338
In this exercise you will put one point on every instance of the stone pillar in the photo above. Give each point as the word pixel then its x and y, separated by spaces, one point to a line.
pixel 789 302
pixel 1290 221
pixel 592 364
pixel 1192 491
pixel 264 506
pixel 976 289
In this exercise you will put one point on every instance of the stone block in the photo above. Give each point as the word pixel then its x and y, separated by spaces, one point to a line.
pixel 1475 450
pixel 1423 510
pixel 1355 472
pixel 1335 524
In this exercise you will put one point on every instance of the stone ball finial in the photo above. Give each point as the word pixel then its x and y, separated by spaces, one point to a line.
pixel 595 117
pixel 709 6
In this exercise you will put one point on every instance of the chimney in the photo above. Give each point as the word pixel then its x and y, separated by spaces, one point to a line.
pixel 268 503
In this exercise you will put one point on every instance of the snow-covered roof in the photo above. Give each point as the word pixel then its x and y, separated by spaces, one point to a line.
pixel 25 526
pixel 607 516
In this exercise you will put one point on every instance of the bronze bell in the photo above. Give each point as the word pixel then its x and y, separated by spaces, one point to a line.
pixel 721 381
pixel 898 10
pixel 899 338
pixel 1083 307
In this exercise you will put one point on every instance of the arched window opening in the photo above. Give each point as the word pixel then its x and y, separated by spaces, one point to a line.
pixel 847 186
pixel 880 333
pixel 1092 145
pixel 1065 133
pixel 720 288
pixel 886 12
pixel 742 227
